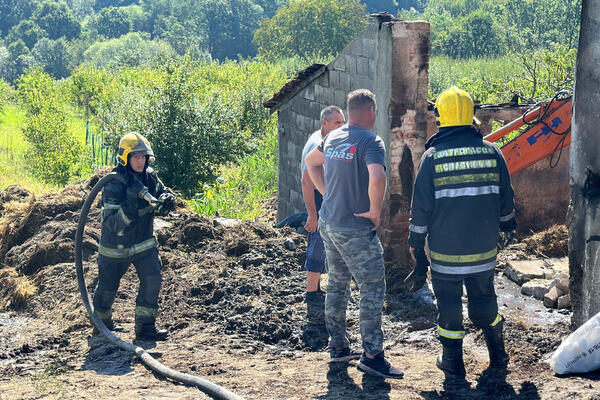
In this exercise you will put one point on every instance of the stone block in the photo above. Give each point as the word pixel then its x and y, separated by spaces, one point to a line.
pixel 303 123
pixel 334 79
pixel 356 47
pixel 564 301
pixel 537 288
pixel 362 66
pixel 329 96
pixel 301 106
pixel 350 64
pixel 319 90
pixel 521 271
pixel 369 48
pixel 309 92
pixel 324 80
pixel 315 109
pixel 345 83
pixel 340 98
pixel 562 282
pixel 559 265
pixel 551 298
pixel 361 82
pixel 339 63
pixel 283 114
pixel 372 68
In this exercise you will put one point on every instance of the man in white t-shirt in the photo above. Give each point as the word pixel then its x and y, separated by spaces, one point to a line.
pixel 315 332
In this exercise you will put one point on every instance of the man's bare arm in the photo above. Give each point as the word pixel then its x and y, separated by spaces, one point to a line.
pixel 377 183
pixel 314 164
pixel 308 194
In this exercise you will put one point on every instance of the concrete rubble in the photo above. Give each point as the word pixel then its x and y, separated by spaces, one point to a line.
pixel 544 279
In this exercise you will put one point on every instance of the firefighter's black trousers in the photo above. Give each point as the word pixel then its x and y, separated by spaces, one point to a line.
pixel 482 303
pixel 110 272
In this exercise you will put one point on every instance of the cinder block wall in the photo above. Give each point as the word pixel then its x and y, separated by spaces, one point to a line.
pixel 392 60
pixel 355 68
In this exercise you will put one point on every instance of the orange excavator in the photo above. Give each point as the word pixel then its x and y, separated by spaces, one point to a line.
pixel 544 130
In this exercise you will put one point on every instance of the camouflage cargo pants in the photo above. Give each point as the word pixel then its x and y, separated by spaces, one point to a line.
pixel 354 253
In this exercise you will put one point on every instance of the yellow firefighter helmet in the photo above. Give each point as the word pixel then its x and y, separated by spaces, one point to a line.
pixel 454 107
pixel 133 142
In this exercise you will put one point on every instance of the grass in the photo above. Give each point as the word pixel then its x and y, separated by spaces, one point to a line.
pixel 484 78
pixel 13 147
pixel 241 189
pixel 12 152
pixel 48 381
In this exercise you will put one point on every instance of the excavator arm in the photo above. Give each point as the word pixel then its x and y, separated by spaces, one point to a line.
pixel 542 131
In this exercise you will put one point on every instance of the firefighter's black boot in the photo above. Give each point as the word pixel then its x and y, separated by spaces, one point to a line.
pixel 145 329
pixel 495 344
pixel 315 333
pixel 451 360
pixel 106 318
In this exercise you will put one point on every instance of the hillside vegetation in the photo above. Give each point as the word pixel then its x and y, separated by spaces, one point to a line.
pixel 192 76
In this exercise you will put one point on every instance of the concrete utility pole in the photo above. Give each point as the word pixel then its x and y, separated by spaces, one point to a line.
pixel 584 210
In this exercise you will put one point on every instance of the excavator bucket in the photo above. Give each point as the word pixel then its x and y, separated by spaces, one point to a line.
pixel 539 133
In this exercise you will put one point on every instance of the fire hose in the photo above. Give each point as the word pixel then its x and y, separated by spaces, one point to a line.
pixel 211 389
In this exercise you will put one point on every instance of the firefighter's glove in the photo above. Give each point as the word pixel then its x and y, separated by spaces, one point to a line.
pixel 506 238
pixel 167 200
pixel 418 276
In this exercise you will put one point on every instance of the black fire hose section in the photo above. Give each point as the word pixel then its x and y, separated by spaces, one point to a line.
pixel 211 389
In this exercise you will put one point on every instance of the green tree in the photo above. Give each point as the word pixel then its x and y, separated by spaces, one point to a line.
pixel 472 36
pixel 54 154
pixel 111 22
pixel 28 31
pixel 89 86
pixel 310 27
pixel 53 56
pixel 81 8
pixel 57 20
pixel 14 11
pixel 128 50
pixel 374 6
pixel 270 7
pixel 191 140
pixel 4 63
pixel 20 60
pixel 233 38
pixel 100 4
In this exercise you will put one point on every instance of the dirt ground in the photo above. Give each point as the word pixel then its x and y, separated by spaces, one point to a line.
pixel 232 300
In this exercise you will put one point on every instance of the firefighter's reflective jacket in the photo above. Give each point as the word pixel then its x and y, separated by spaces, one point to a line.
pixel 128 231
pixel 462 197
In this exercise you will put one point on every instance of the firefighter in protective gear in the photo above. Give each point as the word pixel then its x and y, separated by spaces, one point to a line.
pixel 128 236
pixel 462 198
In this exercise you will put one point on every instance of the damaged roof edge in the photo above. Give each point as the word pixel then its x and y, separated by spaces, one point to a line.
pixel 295 85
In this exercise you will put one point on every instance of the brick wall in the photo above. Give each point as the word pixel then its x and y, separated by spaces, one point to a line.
pixel 408 132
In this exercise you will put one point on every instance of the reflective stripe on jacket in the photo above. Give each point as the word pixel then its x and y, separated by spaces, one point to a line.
pixel 124 236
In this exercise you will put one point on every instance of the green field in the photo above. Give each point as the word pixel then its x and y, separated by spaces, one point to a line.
pixel 13 147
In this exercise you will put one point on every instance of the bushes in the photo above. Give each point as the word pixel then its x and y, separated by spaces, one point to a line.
pixel 54 154
pixel 196 116
pixel 241 189
pixel 531 77
pixel 191 140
